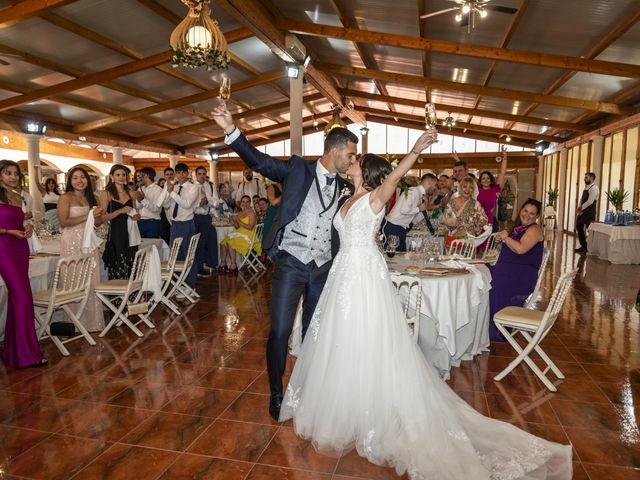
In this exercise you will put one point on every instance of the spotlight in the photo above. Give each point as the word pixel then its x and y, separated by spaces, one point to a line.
pixel 36 128
pixel 293 70
pixel 364 131
pixel 466 8
pixel 214 155
pixel 541 146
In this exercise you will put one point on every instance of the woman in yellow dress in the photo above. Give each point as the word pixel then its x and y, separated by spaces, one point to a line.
pixel 240 239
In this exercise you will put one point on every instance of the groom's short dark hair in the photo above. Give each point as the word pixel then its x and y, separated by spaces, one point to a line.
pixel 338 137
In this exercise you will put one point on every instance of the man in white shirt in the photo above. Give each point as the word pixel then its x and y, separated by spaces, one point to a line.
pixel 184 196
pixel 150 198
pixel 165 214
pixel 461 170
pixel 207 252
pixel 250 186
pixel 408 205
pixel 586 210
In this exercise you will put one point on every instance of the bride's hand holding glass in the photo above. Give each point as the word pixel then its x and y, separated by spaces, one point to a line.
pixel 425 140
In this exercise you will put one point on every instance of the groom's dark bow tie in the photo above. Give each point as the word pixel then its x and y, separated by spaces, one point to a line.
pixel 329 178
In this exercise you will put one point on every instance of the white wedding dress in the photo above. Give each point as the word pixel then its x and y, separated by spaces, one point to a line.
pixel 360 381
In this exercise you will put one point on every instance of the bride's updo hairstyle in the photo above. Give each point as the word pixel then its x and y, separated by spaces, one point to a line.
pixel 374 170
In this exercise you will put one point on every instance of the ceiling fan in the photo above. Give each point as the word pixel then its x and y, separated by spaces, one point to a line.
pixel 468 9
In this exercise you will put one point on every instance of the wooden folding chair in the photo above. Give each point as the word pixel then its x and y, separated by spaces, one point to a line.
pixel 251 259
pixel 534 326
pixel 117 296
pixel 71 284
pixel 463 247
pixel 409 290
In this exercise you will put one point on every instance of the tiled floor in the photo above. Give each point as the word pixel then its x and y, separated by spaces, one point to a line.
pixel 189 400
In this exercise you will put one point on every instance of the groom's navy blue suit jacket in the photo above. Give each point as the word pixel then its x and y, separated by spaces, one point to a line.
pixel 296 176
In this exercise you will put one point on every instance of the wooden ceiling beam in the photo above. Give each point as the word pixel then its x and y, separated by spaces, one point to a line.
pixel 86 80
pixel 180 102
pixel 272 139
pixel 468 111
pixel 455 132
pixel 254 16
pixel 476 89
pixel 626 22
pixel 463 125
pixel 236 116
pixel 27 9
pixel 258 131
pixel 463 49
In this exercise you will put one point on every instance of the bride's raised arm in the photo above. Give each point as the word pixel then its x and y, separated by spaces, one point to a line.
pixel 382 195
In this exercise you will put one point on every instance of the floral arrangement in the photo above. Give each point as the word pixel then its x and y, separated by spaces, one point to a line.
pixel 200 57
pixel 393 161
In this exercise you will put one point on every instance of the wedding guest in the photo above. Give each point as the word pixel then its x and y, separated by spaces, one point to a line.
pixel 464 215
pixel 586 211
pixel 240 240
pixel 165 213
pixel 506 201
pixel 51 195
pixel 207 252
pixel 274 196
pixel 118 203
pixel 184 199
pixel 263 205
pixel 149 197
pixel 490 190
pixel 21 347
pixel 514 275
pixel 460 171
pixel 408 204
pixel 161 182
pixel 73 209
pixel 228 204
pixel 250 186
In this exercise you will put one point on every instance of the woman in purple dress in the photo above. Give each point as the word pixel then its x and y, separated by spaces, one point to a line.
pixel 489 188
pixel 21 346
pixel 515 273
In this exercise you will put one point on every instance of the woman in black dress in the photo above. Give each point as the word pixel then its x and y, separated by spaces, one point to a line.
pixel 117 202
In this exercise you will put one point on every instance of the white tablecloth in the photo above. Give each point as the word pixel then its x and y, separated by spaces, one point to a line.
pixel 221 234
pixel 454 315
pixel 619 245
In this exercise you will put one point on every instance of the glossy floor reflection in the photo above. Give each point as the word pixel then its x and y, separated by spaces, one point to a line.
pixel 189 400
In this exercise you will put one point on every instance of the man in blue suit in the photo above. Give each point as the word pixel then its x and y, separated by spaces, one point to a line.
pixel 302 241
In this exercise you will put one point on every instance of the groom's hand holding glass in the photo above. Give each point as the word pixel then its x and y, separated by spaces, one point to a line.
pixel 223 118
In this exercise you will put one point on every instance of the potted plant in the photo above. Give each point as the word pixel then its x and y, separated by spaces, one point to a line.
pixel 617 197
pixel 552 195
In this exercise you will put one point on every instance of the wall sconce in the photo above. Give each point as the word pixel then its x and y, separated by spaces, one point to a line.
pixel 293 70
pixel 35 128
pixel 364 131
pixel 214 155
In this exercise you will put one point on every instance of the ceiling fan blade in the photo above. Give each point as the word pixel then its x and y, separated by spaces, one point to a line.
pixel 465 21
pixel 501 9
pixel 439 12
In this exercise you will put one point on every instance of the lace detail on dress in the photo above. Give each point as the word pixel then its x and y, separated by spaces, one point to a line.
pixel 293 397
pixel 516 463
pixel 459 436
pixel 315 324
pixel 366 443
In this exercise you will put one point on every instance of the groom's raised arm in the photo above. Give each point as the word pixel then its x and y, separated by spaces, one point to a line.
pixel 262 163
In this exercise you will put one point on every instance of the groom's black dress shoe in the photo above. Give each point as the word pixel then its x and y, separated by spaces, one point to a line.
pixel 275 402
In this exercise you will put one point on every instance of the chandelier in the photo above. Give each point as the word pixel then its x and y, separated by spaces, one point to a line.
pixel 472 8
pixel 449 122
pixel 335 122
pixel 197 41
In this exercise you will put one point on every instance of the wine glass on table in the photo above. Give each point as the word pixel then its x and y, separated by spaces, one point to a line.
pixel 392 245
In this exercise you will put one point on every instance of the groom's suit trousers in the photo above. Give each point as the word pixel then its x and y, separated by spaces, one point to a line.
pixel 291 280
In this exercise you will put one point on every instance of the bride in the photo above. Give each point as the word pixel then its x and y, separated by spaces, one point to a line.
pixel 360 381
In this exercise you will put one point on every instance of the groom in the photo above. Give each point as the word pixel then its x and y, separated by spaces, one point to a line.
pixel 302 240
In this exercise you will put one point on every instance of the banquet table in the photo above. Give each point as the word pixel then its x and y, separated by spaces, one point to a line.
pixel 454 314
pixel 617 244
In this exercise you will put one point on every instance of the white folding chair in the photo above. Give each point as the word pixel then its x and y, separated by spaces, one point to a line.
pixel 167 272
pixel 181 272
pixel 537 291
pixel 409 290
pixel 129 293
pixel 492 252
pixel 251 259
pixel 71 284
pixel 463 247
pixel 534 326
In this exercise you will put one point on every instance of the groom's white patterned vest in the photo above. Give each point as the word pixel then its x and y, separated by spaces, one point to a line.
pixel 308 236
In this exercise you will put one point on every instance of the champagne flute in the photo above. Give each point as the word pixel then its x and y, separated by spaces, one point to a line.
pixel 430 116
pixel 225 89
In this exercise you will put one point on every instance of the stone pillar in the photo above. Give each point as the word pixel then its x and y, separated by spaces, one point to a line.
pixel 540 180
pixel 213 172
pixel 33 169
pixel 295 109
pixel 173 160
pixel 562 190
pixel 117 155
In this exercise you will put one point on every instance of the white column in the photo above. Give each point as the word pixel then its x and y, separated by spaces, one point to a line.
pixel 295 109
pixel 540 179
pixel 117 155
pixel 213 172
pixel 33 168
pixel 562 190
pixel 173 160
